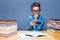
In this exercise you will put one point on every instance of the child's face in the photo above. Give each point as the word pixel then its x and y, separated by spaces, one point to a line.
pixel 36 10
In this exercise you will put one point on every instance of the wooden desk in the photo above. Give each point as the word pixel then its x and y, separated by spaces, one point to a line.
pixel 17 37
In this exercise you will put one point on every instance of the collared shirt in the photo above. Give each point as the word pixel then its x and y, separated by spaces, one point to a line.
pixel 37 26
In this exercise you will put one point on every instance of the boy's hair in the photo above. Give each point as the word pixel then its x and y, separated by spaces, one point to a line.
pixel 35 4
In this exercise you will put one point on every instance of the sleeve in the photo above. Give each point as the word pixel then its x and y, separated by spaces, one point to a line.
pixel 28 24
pixel 40 26
pixel 45 25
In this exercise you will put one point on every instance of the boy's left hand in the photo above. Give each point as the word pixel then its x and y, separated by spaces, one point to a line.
pixel 36 16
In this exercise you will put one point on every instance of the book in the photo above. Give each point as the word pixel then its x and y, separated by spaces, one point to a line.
pixel 32 34
pixel 8 35
pixel 8 28
pixel 53 27
pixel 54 24
pixel 7 31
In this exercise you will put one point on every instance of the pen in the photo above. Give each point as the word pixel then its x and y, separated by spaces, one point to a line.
pixel 28 35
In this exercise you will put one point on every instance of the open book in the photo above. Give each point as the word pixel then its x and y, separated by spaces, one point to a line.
pixel 32 34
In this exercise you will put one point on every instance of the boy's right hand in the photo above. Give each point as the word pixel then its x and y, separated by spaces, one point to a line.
pixel 32 23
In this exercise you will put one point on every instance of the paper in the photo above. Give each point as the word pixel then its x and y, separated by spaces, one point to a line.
pixel 33 34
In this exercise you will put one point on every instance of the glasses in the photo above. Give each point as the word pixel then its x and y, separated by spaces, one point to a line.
pixel 35 10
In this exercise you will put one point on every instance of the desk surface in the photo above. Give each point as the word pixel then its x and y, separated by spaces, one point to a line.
pixel 17 37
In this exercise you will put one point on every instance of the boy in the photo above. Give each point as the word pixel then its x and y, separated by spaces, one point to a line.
pixel 35 21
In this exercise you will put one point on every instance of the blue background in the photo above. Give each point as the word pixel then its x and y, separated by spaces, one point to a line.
pixel 20 10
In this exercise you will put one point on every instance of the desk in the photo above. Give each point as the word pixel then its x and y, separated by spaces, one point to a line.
pixel 17 37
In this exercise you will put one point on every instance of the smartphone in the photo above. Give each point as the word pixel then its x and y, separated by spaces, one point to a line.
pixel 38 22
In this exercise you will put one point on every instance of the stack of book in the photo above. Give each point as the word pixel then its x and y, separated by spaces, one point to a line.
pixel 53 27
pixel 54 24
pixel 8 28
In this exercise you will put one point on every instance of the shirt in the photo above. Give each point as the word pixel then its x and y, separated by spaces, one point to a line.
pixel 37 26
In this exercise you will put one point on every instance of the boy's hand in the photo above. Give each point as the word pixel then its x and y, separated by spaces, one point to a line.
pixel 32 23
pixel 36 16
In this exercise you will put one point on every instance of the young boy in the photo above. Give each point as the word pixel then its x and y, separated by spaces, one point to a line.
pixel 35 21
